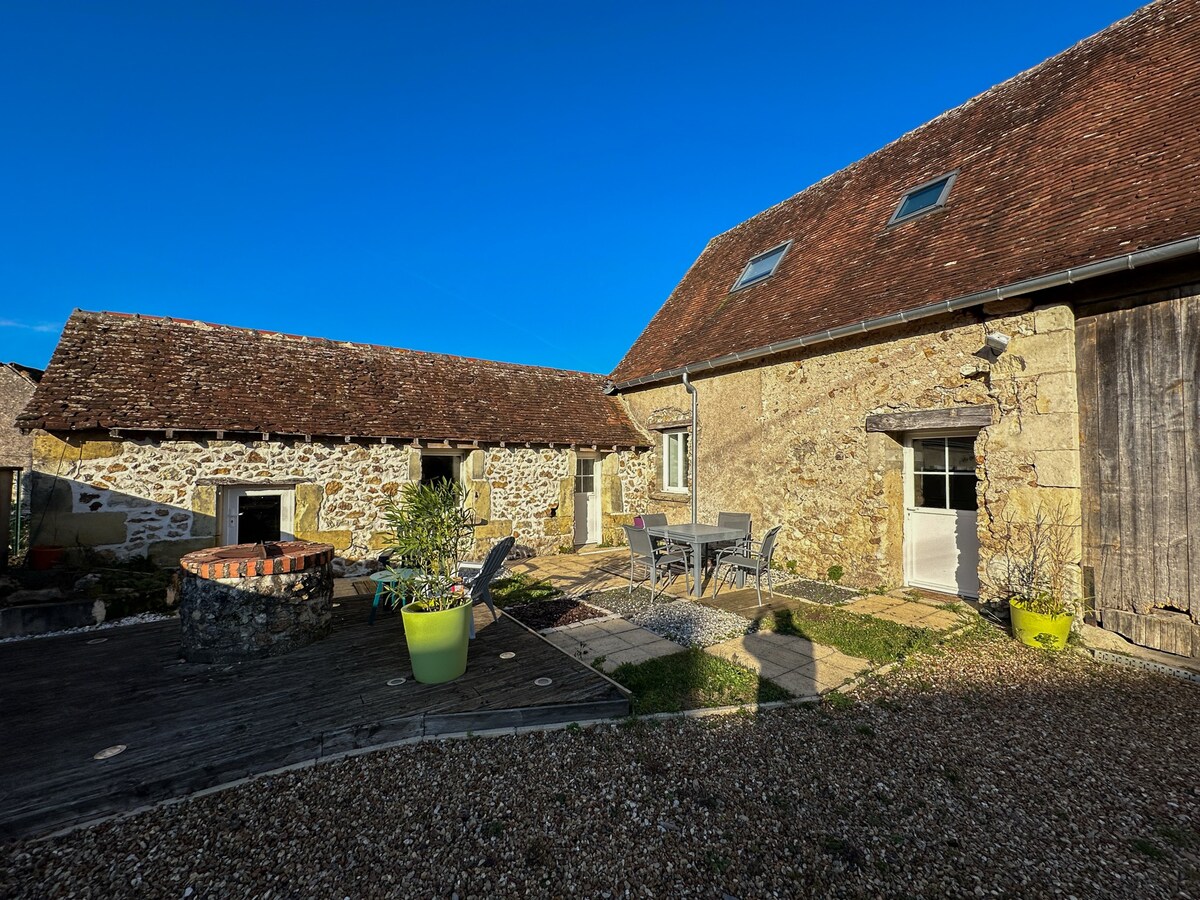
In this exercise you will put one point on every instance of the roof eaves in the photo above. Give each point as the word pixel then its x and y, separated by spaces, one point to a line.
pixel 1107 266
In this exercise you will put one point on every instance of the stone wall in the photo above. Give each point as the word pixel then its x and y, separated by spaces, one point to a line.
pixel 147 496
pixel 786 441
pixel 15 390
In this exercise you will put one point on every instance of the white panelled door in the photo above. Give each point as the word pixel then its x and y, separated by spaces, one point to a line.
pixel 941 537
pixel 587 500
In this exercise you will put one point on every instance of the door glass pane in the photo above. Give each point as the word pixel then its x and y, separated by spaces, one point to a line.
pixel 259 519
pixel 929 491
pixel 961 454
pixel 585 476
pixel 962 492
pixel 929 455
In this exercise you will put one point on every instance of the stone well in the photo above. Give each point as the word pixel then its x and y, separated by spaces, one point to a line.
pixel 254 600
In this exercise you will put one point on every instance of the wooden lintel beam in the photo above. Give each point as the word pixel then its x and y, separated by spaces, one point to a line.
pixel 977 416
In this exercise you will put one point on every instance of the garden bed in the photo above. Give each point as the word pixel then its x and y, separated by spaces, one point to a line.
pixel 554 613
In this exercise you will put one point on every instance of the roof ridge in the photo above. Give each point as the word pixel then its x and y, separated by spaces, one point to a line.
pixel 266 332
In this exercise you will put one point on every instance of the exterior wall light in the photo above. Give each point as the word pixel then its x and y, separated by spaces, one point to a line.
pixel 997 341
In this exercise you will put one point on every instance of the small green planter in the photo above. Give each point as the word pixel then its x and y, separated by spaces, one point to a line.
pixel 437 642
pixel 1038 630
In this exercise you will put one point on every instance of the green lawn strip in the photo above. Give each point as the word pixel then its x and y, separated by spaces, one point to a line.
pixel 693 679
pixel 520 588
pixel 863 636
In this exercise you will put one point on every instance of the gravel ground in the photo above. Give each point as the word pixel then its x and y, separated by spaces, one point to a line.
pixel 816 591
pixel 990 770
pixel 622 603
pixel 691 624
pixel 137 619
pixel 553 613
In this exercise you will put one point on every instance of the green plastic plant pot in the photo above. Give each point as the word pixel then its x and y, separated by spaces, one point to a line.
pixel 437 642
pixel 1038 630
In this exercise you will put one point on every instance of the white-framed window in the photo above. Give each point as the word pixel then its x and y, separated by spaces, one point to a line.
pixel 675 461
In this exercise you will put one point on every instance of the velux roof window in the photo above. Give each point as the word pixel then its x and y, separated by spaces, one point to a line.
pixel 923 198
pixel 761 266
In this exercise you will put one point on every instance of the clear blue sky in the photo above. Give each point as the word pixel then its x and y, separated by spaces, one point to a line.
pixel 517 181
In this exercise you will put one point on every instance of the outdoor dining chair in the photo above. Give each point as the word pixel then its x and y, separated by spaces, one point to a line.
pixel 751 557
pixel 663 558
pixel 653 520
pixel 740 521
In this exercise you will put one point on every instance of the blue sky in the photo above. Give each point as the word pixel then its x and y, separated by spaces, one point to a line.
pixel 518 181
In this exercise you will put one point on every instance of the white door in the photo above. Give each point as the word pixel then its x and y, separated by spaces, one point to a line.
pixel 252 515
pixel 941 537
pixel 587 500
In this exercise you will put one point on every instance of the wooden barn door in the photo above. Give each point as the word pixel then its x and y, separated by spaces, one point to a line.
pixel 1139 390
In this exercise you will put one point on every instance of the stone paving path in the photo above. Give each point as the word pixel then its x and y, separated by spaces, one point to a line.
pixel 615 640
pixel 795 664
pixel 904 612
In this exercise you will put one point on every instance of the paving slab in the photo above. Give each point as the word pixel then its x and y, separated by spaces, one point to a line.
pixel 640 654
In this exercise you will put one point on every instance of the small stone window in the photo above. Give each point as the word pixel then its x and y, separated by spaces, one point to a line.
pixel 675 461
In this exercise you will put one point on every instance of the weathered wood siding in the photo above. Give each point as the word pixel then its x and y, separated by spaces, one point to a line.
pixel 1139 374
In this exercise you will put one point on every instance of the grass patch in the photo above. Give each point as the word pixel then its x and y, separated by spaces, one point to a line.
pixel 520 588
pixel 693 680
pixel 878 640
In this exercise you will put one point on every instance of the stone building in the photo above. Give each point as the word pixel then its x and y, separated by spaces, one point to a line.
pixel 993 318
pixel 157 436
pixel 17 384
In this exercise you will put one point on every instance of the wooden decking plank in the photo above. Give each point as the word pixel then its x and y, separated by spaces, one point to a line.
pixel 189 726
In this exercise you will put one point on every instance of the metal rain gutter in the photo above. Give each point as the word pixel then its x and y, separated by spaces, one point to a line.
pixel 1161 253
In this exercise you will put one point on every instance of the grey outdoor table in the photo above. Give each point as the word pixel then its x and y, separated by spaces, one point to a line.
pixel 697 536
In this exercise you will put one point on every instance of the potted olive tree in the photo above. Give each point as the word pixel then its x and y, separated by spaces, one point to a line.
pixel 1036 580
pixel 431 529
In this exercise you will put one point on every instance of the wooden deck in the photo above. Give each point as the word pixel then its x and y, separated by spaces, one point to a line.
pixel 188 726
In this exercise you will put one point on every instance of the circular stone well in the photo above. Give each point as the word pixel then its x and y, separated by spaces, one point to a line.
pixel 249 601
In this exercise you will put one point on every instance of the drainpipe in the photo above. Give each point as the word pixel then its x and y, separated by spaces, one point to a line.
pixel 692 454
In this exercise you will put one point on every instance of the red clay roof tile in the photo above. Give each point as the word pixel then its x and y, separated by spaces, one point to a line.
pixel 112 370
pixel 1093 154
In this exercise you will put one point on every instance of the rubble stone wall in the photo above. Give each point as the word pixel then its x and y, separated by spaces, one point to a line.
pixel 149 496
pixel 787 442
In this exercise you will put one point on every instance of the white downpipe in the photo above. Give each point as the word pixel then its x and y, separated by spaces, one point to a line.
pixel 693 454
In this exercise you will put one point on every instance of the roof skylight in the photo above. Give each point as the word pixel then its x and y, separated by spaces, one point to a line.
pixel 761 266
pixel 923 198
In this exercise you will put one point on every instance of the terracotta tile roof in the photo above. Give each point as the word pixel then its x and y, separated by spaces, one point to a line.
pixel 112 370
pixel 1093 154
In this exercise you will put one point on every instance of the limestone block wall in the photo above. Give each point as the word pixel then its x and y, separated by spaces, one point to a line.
pixel 787 442
pixel 148 496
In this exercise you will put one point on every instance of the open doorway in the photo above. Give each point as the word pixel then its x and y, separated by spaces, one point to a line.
pixel 438 467
pixel 253 515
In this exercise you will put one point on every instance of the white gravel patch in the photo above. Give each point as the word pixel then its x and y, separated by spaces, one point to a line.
pixel 987 770
pixel 139 619
pixel 691 624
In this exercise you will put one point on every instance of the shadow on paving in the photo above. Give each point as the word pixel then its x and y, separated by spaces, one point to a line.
pixel 188 726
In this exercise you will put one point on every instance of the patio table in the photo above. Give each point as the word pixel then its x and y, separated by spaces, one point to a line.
pixel 697 536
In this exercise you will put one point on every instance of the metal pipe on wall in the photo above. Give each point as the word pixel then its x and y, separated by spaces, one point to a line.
pixel 692 450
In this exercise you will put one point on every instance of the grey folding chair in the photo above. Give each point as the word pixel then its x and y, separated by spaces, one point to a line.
pixel 655 559
pixel 479 582
pixel 740 521
pixel 655 520
pixel 751 557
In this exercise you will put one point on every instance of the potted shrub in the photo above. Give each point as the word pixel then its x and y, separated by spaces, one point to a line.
pixel 431 529
pixel 1036 579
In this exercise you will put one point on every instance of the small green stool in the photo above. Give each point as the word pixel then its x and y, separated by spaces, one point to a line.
pixel 404 579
